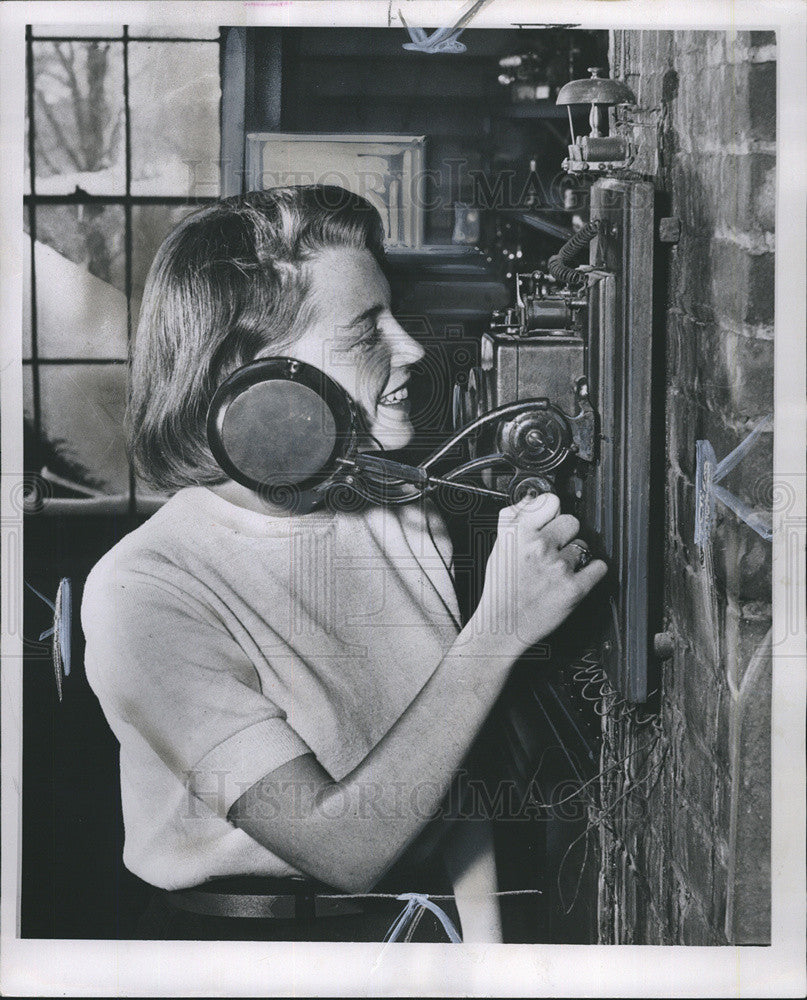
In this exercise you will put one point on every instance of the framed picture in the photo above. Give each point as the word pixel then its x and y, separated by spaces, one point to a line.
pixel 388 170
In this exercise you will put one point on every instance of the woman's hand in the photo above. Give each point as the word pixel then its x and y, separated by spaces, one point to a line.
pixel 531 584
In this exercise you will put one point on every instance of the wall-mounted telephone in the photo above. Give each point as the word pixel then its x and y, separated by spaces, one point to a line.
pixel 560 401
pixel 579 339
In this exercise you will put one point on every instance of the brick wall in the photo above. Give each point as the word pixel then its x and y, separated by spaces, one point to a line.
pixel 686 799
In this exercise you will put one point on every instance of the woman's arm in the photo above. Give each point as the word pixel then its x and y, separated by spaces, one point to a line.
pixel 347 833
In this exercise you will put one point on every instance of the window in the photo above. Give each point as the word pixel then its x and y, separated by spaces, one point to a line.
pixel 123 140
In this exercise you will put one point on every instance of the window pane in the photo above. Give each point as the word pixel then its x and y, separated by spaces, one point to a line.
pixel 150 225
pixel 156 30
pixel 174 99
pixel 78 117
pixel 80 281
pixel 26 171
pixel 26 284
pixel 77 30
pixel 82 439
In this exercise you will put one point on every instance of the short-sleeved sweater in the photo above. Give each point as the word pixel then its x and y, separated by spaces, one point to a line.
pixel 222 643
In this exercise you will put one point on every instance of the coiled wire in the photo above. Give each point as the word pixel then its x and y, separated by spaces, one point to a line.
pixel 597 689
pixel 560 265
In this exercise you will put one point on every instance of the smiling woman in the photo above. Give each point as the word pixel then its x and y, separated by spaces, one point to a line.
pixel 293 692
pixel 355 338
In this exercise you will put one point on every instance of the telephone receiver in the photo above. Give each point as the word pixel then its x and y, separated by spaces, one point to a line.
pixel 280 427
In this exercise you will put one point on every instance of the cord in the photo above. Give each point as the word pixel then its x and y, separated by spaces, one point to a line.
pixel 560 264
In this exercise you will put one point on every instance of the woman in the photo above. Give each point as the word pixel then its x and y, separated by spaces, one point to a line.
pixel 294 693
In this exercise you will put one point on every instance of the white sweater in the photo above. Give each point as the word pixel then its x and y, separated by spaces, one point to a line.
pixel 222 643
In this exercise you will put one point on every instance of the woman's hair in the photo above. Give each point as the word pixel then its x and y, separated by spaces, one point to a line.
pixel 225 285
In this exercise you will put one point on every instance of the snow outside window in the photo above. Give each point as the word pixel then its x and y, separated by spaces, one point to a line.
pixel 123 140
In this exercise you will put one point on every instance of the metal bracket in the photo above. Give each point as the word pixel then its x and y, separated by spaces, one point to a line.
pixel 61 630
pixel 669 229
pixel 708 474
pixel 584 431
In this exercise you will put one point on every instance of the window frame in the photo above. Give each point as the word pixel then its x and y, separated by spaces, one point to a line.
pixel 129 503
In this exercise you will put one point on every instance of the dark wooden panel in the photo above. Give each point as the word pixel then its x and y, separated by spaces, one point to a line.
pixel 440 115
pixel 621 329
pixel 74 883
pixel 382 79
pixel 233 109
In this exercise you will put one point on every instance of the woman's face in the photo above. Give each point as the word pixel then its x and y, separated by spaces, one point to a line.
pixel 354 338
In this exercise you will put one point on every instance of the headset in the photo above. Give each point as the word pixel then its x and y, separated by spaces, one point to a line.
pixel 282 427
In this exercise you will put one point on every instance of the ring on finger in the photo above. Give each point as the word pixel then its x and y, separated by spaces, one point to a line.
pixel 584 554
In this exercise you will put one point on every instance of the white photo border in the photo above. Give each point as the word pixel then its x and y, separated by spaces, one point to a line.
pixel 174 968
